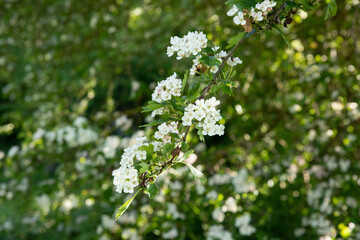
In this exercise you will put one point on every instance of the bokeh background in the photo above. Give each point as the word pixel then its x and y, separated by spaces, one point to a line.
pixel 75 74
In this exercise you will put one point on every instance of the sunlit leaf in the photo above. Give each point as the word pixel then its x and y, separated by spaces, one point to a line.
pixel 196 173
pixel 331 9
pixel 125 206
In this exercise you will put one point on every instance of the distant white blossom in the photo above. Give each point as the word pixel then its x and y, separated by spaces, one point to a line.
pixel 243 223
pixel 172 234
pixel 217 232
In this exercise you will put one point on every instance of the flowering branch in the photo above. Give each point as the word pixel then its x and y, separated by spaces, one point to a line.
pixel 182 104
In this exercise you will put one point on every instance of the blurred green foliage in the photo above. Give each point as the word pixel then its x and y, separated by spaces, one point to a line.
pixel 293 122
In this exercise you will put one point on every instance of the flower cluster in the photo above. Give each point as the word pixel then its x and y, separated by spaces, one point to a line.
pixel 258 13
pixel 167 88
pixel 158 111
pixel 243 223
pixel 190 44
pixel 164 131
pixel 207 116
pixel 218 232
pixel 126 177
pixel 74 135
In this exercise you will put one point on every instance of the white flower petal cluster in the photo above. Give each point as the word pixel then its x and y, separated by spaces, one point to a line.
pixel 232 11
pixel 167 88
pixel 207 116
pixel 218 232
pixel 258 13
pixel 73 135
pixel 159 111
pixel 196 63
pixel 157 145
pixel 218 215
pixel 265 6
pixel 242 183
pixel 164 131
pixel 126 177
pixel 190 44
pixel 110 146
pixel 243 223
pixel 232 62
pixel 214 69
pixel 239 19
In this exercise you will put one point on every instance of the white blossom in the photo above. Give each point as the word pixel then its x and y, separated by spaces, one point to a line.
pixel 172 234
pixel 190 44
pixel 126 177
pixel 207 116
pixel 164 130
pixel 239 19
pixel 232 11
pixel 218 215
pixel 216 232
pixel 232 62
pixel 265 6
pixel 258 13
pixel 243 223
pixel 165 89
pixel 214 69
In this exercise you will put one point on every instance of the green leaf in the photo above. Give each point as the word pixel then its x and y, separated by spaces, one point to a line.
pixel 156 122
pixel 194 87
pixel 208 50
pixel 196 173
pixel 195 95
pixel 235 40
pixel 210 61
pixel 282 34
pixel 177 103
pixel 308 5
pixel 149 149
pixel 152 190
pixel 186 155
pixel 184 146
pixel 152 105
pixel 169 147
pixel 186 76
pixel 125 206
pixel 331 9
pixel 242 4
pixel 227 89
pixel 144 167
pixel 201 136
